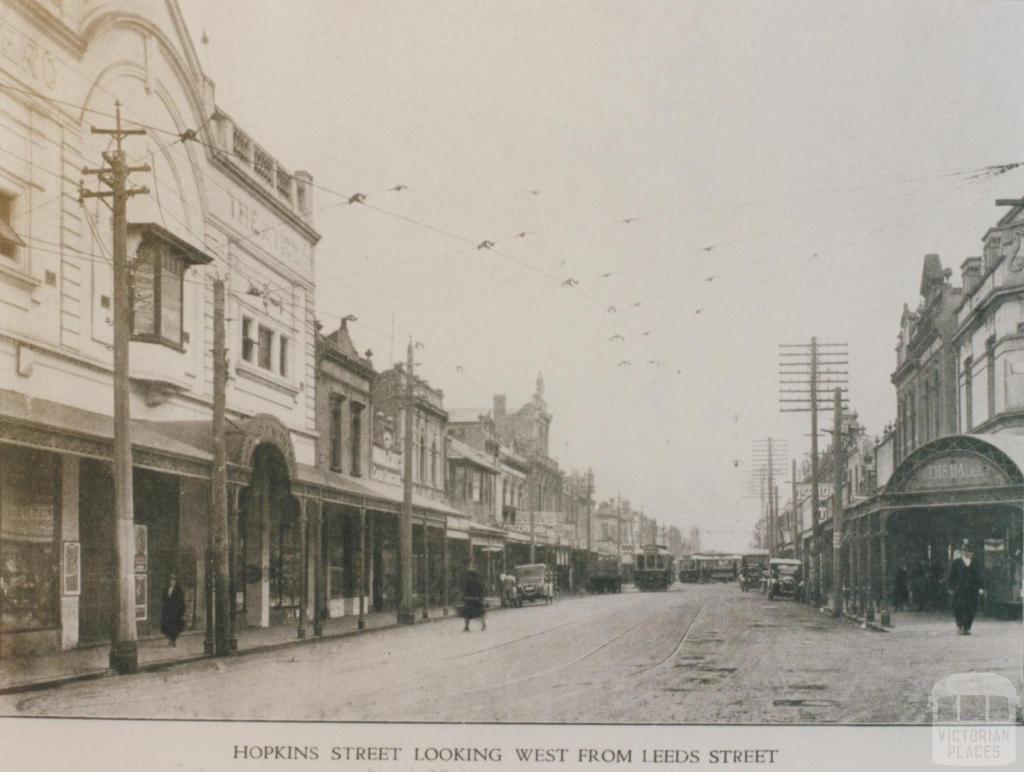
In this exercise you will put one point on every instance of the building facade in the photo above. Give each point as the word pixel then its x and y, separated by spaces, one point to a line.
pixel 218 203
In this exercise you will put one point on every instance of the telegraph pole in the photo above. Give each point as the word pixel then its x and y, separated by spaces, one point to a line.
pixel 800 364
pixel 223 621
pixel 531 485
pixel 768 461
pixel 406 615
pixel 798 535
pixel 124 652
pixel 837 497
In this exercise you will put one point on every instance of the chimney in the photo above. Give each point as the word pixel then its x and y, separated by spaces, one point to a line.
pixel 970 274
pixel 499 406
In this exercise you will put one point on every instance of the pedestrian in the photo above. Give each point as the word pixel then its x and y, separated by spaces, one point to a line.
pixel 964 586
pixel 473 602
pixel 901 591
pixel 172 610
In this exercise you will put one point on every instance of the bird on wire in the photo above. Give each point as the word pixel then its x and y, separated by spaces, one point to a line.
pixel 400 188
pixel 570 282
pixel 605 275
pixel 485 244
pixel 627 220
pixel 523 234
pixel 625 363
pixel 699 310
pixel 709 247
pixel 637 304
pixel 616 336
pixel 357 198
pixel 710 279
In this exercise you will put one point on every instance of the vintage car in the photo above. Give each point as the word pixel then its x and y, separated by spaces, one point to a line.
pixel 785 579
pixel 534 583
pixel 753 570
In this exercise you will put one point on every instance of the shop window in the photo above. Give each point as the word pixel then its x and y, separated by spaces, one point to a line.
pixel 248 343
pixel 157 293
pixel 357 438
pixel 336 557
pixel 29 558
pixel 266 346
pixel 10 241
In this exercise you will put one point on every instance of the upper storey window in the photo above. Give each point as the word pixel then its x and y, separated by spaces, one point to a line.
pixel 10 241
pixel 158 284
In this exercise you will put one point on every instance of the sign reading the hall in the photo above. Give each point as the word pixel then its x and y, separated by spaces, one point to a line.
pixel 956 471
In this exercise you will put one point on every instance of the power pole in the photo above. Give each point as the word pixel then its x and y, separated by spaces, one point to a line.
pixel 406 615
pixel 800 365
pixel 223 621
pixel 837 507
pixel 124 651
pixel 768 460
pixel 798 536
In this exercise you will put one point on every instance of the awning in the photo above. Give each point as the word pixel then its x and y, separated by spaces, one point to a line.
pixel 39 423
pixel 960 469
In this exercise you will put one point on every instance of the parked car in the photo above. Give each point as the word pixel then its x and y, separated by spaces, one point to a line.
pixel 785 579
pixel 534 583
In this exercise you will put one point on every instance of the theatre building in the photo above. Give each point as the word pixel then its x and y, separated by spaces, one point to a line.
pixel 950 486
pixel 217 203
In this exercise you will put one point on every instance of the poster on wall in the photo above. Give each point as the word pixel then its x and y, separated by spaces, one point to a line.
pixel 141 595
pixel 71 569
pixel 141 550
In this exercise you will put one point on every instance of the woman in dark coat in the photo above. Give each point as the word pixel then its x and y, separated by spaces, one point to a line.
pixel 473 599
pixel 172 610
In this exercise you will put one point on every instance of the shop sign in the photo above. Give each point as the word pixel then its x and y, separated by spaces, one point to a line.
pixel 141 597
pixel 956 471
pixel 141 550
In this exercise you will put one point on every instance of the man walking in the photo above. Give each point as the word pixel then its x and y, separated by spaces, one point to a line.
pixel 964 585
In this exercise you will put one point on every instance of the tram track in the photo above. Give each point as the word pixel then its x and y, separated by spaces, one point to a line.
pixel 510 682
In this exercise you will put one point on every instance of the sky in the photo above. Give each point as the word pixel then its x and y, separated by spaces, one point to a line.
pixel 783 166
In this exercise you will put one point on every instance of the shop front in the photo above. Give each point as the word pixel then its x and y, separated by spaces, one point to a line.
pixel 956 491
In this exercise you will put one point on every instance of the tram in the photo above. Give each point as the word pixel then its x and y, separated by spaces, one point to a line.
pixel 688 571
pixel 654 569
pixel 717 566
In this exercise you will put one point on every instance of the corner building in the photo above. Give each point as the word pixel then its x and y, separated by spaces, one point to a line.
pixel 218 203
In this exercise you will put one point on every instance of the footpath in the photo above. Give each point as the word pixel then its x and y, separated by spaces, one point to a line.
pixel 50 669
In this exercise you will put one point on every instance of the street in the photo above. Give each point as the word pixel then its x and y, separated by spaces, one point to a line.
pixel 693 654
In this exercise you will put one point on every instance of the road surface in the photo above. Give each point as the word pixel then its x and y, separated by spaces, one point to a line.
pixel 693 654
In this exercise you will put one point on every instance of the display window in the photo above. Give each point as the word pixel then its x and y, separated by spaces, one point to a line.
pixel 29 540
